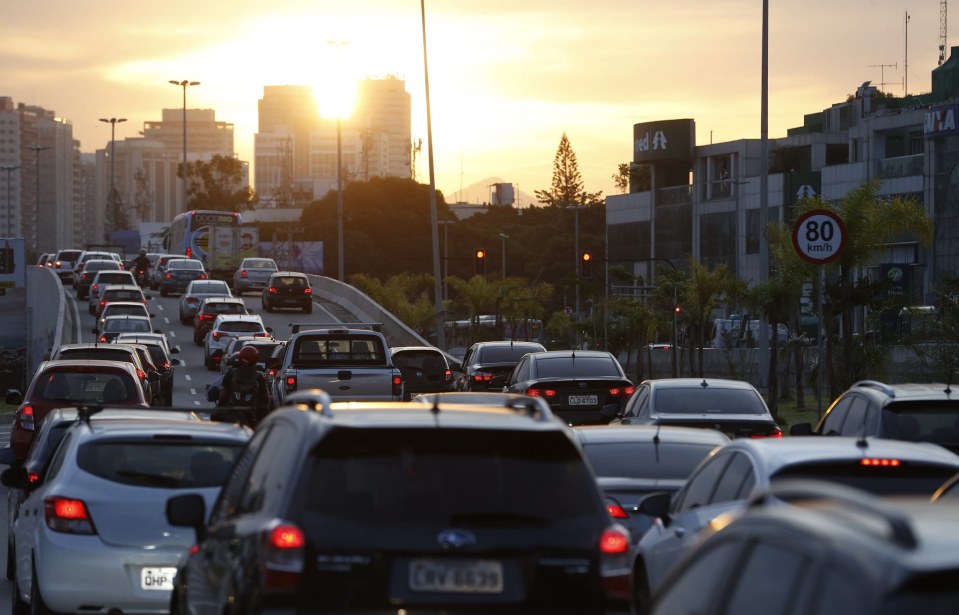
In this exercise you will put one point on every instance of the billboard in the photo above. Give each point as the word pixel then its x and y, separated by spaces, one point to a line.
pixel 664 140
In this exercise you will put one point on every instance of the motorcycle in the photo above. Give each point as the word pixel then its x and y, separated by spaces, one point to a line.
pixel 140 275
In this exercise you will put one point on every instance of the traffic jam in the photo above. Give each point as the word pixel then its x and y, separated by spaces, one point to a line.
pixel 210 445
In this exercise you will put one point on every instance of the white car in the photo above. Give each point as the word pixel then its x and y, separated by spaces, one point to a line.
pixel 225 328
pixel 94 532
pixel 106 278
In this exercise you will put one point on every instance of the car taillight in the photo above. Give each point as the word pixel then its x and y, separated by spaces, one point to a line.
pixel 165 365
pixel 397 385
pixel 482 377
pixel 67 515
pixel 873 462
pixel 202 276
pixel 242 273
pixel 192 300
pixel 775 432
pixel 290 383
pixel 103 303
pixel 141 374
pixel 616 511
pixel 263 334
pixel 448 376
pixel 538 392
pixel 271 372
pixel 33 478
pixel 169 276
pixel 282 557
pixel 103 338
pixel 25 416
pixel 272 290
pixel 614 561
pixel 308 290
pixel 84 276
pixel 189 252
pixel 217 335
pixel 95 288
pixel 621 391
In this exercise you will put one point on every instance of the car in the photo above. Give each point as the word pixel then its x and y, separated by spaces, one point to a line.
pixel 484 398
pixel 227 326
pixel 253 274
pixel 832 550
pixel 288 289
pixel 155 377
pixel 722 484
pixel 83 278
pixel 160 352
pixel 94 532
pixel 207 312
pixel 46 259
pixel 111 326
pixel 63 264
pixel 198 290
pixel 390 506
pixel 484 360
pixel 633 461
pixel 71 382
pixel 130 293
pixel 179 273
pixel 425 369
pixel 89 255
pixel 159 268
pixel 104 278
pixel 734 407
pixel 909 411
pixel 123 308
pixel 581 386
pixel 27 475
pixel 111 352
pixel 264 346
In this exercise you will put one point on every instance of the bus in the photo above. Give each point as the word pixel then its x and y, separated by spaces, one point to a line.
pixel 217 238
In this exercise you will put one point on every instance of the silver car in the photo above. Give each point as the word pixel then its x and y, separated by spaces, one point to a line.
pixel 196 292
pixel 253 274
pixel 95 531
pixel 101 280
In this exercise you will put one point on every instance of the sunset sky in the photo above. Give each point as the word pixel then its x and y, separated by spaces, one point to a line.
pixel 507 77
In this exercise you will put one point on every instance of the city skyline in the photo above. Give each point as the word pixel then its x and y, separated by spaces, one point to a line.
pixel 506 81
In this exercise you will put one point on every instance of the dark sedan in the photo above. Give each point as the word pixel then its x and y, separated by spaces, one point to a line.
pixel 486 360
pixel 581 386
pixel 178 275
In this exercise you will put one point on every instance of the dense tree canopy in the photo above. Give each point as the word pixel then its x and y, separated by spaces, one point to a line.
pixel 218 184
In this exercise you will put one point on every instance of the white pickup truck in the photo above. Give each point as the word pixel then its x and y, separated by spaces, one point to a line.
pixel 351 362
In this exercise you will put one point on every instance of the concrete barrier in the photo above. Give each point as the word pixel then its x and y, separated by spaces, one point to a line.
pixel 46 306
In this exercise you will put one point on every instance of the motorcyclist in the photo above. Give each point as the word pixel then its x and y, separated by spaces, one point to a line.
pixel 141 264
pixel 245 387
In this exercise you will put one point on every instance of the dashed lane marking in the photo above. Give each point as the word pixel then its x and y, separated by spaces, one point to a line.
pixel 187 376
pixel 192 391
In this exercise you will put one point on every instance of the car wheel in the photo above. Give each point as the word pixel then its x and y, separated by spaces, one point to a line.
pixel 91 310
pixel 37 606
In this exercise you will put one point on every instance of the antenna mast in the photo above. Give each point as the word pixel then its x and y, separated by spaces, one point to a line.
pixel 942 31
pixel 882 72
pixel 905 66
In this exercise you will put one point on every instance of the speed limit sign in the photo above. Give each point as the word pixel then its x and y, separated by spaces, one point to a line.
pixel 819 236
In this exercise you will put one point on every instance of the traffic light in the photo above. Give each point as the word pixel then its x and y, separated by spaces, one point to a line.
pixel 479 261
pixel 586 264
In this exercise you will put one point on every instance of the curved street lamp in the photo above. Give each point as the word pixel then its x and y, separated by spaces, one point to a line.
pixel 185 83
pixel 114 203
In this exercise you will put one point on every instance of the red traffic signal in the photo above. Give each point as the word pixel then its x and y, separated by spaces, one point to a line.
pixel 586 264
pixel 479 261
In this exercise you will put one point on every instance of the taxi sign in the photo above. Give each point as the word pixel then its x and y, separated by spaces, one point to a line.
pixel 819 236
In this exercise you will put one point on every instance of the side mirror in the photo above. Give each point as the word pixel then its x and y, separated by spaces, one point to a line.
pixel 15 477
pixel 656 505
pixel 188 510
pixel 801 429
pixel 14 397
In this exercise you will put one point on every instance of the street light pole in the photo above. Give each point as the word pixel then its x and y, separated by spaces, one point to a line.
pixel 115 209
pixel 339 197
pixel 36 226
pixel 6 223
pixel 446 255
pixel 184 84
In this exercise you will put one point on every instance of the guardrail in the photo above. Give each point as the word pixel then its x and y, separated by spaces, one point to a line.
pixel 46 311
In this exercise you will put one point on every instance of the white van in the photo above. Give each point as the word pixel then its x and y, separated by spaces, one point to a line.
pixel 738 333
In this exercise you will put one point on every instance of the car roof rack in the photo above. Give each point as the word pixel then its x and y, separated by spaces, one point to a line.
pixel 798 491
pixel 875 384
pixel 314 399
pixel 296 327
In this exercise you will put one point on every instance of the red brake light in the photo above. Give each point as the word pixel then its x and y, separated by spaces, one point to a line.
pixel 448 376
pixel 169 276
pixel 287 537
pixel 202 276
pixel 616 511
pixel 94 288
pixel 67 515
pixel 103 303
pixel 272 290
pixel 242 273
pixel 308 290
pixel 217 335
pixel 776 433
pixel 103 338
pixel 290 383
pixel 621 391
pixel 26 418
pixel 537 392
pixel 874 462
pixel 613 542
pixel 141 374
pixel 482 377
pixel 189 252
pixel 33 478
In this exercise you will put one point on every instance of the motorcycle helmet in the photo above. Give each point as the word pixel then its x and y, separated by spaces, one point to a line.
pixel 249 356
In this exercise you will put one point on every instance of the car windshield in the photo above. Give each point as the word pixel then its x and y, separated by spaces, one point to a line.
pixel 185 264
pixel 158 464
pixel 448 478
pixel 87 385
pixel 672 460
pixel 68 255
pixel 710 400
pixel 506 354
pixel 240 326
pixel 579 367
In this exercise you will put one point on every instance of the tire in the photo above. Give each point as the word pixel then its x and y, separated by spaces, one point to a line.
pixel 164 293
pixel 11 561
pixel 18 605
pixel 37 606
pixel 642 598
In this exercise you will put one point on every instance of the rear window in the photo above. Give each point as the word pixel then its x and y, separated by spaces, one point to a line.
pixel 122 295
pixel 926 421
pixel 121 310
pixel 906 478
pixel 114 278
pixel 225 308
pixel 87 385
pixel 260 265
pixel 289 282
pixel 161 464
pixel 580 367
pixel 506 354
pixel 68 255
pixel 104 354
pixel 343 350
pixel 210 287
pixel 711 400
pixel 644 460
pixel 449 478
pixel 185 264
pixel 425 360
pixel 132 325
pixel 241 327
pixel 100 265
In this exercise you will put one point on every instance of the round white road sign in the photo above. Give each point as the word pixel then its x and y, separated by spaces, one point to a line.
pixel 819 236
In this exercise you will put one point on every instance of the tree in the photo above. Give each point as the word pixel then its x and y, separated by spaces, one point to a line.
pixel 567 189
pixel 633 177
pixel 218 184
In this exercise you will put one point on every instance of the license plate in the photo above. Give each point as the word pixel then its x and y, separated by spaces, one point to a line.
pixel 467 576
pixel 583 400
pixel 157 578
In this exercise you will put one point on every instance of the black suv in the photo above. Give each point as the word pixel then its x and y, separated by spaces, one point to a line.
pixel 913 412
pixel 425 369
pixel 487 360
pixel 833 549
pixel 386 507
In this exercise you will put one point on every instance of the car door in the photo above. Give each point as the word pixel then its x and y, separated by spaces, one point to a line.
pixel 718 486
pixel 635 406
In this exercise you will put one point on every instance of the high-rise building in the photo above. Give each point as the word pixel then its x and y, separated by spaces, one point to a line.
pixel 382 118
